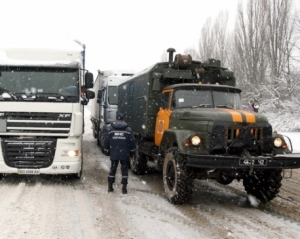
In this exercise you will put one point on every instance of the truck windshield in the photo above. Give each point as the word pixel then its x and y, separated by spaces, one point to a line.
pixel 205 98
pixel 113 95
pixel 39 84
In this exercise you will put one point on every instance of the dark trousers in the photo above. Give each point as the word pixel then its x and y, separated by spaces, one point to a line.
pixel 113 170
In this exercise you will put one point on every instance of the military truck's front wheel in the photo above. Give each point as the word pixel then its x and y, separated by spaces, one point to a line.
pixel 178 183
pixel 264 184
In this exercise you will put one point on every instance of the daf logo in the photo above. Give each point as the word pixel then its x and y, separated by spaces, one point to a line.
pixel 64 115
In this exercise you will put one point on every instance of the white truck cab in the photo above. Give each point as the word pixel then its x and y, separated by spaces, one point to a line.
pixel 105 105
pixel 41 110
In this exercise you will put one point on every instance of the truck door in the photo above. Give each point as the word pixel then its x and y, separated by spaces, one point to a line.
pixel 163 116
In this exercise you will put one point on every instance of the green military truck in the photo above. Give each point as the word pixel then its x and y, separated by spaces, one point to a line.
pixel 189 124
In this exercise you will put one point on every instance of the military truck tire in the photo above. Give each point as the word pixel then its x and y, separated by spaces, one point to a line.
pixel 264 185
pixel 138 164
pixel 224 179
pixel 178 183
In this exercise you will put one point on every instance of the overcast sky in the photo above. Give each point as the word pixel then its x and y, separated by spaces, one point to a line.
pixel 119 34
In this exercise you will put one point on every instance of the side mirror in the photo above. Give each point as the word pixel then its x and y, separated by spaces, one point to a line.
pixel 99 96
pixel 89 80
pixel 90 94
pixel 255 106
pixel 156 83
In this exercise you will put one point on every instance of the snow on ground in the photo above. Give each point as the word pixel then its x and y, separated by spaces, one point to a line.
pixel 57 207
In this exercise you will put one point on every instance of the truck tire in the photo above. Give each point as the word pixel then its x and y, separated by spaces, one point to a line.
pixel 95 131
pixel 138 164
pixel 224 179
pixel 264 185
pixel 99 141
pixel 79 174
pixel 178 183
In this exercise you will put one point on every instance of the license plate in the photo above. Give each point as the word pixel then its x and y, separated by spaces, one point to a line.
pixel 29 171
pixel 261 162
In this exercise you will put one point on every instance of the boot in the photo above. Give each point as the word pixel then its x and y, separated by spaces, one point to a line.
pixel 124 189
pixel 110 187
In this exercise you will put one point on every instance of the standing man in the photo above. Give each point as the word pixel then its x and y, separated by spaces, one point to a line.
pixel 119 143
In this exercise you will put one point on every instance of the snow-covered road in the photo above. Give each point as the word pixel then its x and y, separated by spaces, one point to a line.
pixel 58 207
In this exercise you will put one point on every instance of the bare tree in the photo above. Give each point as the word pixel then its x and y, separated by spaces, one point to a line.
pixel 220 37
pixel 194 54
pixel 205 41
pixel 280 25
pixel 261 51
pixel 213 42
pixel 250 40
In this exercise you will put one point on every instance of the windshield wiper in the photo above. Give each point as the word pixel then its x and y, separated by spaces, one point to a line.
pixel 26 97
pixel 201 105
pixel 224 106
pixel 7 96
pixel 55 97
pixel 60 97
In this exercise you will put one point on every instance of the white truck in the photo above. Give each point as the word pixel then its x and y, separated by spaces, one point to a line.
pixel 105 105
pixel 41 109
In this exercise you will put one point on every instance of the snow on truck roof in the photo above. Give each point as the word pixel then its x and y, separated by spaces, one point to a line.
pixel 115 77
pixel 41 54
pixel 118 73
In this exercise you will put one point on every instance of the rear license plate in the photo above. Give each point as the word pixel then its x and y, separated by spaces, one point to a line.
pixel 29 171
pixel 261 162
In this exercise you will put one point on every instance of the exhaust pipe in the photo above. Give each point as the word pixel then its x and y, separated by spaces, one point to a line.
pixel 171 51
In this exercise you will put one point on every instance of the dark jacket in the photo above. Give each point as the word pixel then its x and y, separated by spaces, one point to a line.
pixel 119 141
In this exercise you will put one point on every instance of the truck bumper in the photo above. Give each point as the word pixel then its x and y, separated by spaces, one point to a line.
pixel 61 163
pixel 55 168
pixel 238 162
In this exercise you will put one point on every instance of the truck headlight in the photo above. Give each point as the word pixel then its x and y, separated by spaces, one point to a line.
pixel 195 140
pixel 70 153
pixel 278 142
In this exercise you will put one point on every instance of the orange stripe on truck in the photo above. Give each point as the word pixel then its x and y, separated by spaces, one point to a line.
pixel 250 117
pixel 236 116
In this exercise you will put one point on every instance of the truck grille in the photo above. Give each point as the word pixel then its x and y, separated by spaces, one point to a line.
pixel 36 123
pixel 28 153
pixel 232 132
pixel 235 138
